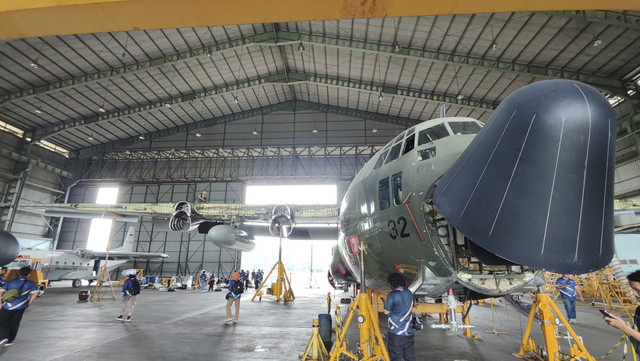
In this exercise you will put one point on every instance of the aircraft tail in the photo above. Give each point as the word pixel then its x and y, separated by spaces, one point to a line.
pixel 127 245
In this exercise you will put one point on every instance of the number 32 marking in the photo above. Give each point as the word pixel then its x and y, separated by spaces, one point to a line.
pixel 402 223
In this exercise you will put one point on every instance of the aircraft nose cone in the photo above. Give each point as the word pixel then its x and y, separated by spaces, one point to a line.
pixel 9 248
pixel 536 184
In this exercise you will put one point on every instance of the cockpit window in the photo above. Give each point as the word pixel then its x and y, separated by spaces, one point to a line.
pixel 409 144
pixel 459 128
pixel 380 161
pixel 396 180
pixel 430 134
pixel 399 138
pixel 394 152
pixel 383 194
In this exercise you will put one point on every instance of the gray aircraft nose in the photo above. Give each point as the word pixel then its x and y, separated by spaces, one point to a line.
pixel 535 186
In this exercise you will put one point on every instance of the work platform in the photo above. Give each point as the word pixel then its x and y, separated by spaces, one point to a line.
pixel 188 325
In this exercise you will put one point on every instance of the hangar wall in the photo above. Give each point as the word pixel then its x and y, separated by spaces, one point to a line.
pixel 189 253
pixel 29 174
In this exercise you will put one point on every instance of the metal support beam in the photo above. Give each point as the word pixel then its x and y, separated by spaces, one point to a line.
pixel 284 38
pixel 290 105
pixel 36 163
pixel 22 19
pixel 280 78
pixel 188 166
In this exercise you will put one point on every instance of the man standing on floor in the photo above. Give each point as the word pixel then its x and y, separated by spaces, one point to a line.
pixel 130 290
pixel 617 322
pixel 12 311
pixel 568 290
pixel 399 307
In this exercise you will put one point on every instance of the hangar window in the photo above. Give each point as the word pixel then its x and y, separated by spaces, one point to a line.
pixel 459 128
pixel 383 194
pixel 430 134
pixel 101 228
pixel 396 180
pixel 292 194
pixel 394 152
pixel 380 161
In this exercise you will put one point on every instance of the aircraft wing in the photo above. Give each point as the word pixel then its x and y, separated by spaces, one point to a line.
pixel 118 255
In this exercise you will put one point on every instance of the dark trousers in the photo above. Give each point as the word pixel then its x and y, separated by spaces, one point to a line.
pixel 9 323
pixel 211 284
pixel 399 346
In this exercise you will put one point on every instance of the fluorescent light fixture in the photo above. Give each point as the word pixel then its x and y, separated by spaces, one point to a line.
pixel 141 137
pixel 374 130
pixel 314 131
pixel 102 110
pixel 198 135
pixel 38 111
pixel 34 65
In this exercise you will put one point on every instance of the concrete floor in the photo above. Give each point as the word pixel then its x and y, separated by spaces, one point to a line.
pixel 188 325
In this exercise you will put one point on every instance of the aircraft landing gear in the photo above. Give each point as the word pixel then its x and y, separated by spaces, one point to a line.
pixel 76 283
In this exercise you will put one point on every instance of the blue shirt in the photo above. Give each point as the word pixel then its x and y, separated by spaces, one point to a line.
pixel 22 301
pixel 230 288
pixel 126 287
pixel 203 277
pixel 399 303
pixel 570 290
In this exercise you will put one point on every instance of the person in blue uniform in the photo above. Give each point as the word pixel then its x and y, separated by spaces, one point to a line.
pixel 203 280
pixel 617 322
pixel 399 308
pixel 233 298
pixel 11 312
pixel 568 290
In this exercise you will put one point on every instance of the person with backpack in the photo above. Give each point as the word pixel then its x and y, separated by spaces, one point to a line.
pixel 130 289
pixel 16 296
pixel 236 288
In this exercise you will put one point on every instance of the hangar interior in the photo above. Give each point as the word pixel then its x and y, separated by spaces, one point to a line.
pixel 166 113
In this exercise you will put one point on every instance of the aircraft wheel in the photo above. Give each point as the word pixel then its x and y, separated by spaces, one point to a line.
pixel 41 289
pixel 76 283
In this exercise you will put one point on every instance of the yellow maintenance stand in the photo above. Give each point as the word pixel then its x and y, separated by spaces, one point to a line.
pixel 549 324
pixel 281 289
pixel 371 345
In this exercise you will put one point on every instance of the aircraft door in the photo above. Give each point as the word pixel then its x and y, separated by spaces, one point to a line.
pixel 96 267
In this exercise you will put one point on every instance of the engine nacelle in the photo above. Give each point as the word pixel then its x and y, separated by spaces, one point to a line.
pixel 228 237
pixel 9 248
pixel 184 218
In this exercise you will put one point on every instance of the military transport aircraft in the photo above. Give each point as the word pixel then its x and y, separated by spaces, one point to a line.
pixel 450 203
pixel 85 264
